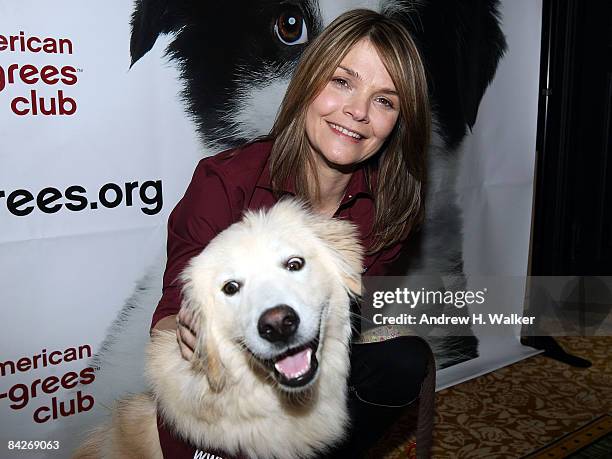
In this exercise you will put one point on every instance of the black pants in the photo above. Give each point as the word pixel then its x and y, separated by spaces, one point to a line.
pixel 385 377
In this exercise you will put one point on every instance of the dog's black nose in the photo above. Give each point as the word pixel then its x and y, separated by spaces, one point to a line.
pixel 278 323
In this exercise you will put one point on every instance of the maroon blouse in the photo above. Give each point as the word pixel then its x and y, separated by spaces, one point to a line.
pixel 222 188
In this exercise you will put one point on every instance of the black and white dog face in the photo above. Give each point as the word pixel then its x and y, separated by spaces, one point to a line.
pixel 237 56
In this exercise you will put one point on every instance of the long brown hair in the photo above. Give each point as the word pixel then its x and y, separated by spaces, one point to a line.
pixel 400 168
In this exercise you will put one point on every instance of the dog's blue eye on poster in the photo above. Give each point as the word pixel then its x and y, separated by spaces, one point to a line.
pixel 290 28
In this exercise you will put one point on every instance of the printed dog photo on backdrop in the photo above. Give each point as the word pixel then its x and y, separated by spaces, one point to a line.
pixel 236 59
pixel 235 77
pixel 271 295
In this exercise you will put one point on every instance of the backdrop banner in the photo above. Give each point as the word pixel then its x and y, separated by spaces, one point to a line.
pixel 101 131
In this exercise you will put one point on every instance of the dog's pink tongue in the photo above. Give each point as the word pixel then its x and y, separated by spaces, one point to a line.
pixel 295 365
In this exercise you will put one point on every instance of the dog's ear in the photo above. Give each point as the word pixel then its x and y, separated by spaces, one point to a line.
pixel 342 238
pixel 461 43
pixel 477 52
pixel 197 300
pixel 206 356
pixel 150 19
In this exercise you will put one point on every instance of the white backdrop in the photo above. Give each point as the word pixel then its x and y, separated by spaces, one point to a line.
pixel 495 183
pixel 65 275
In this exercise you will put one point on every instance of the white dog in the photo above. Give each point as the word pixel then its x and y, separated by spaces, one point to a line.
pixel 271 297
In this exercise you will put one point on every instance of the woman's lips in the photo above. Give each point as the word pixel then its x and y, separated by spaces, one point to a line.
pixel 345 133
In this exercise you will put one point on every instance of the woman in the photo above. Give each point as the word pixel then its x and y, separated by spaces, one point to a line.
pixel 350 139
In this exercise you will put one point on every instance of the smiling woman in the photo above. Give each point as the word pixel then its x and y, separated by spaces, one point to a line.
pixel 359 93
pixel 349 140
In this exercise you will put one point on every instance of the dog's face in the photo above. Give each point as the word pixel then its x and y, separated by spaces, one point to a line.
pixel 236 57
pixel 275 284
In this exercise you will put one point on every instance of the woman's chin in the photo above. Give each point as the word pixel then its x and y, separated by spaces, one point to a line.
pixel 343 158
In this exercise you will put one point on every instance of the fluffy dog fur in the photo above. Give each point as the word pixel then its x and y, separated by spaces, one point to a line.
pixel 228 398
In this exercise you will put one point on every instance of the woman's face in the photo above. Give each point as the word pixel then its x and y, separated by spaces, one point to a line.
pixel 351 118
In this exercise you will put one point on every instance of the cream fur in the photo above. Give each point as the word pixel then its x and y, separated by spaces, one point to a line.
pixel 225 399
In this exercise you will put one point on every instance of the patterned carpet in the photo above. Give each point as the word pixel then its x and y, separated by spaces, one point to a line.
pixel 515 410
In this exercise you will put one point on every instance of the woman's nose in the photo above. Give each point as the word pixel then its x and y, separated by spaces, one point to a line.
pixel 357 107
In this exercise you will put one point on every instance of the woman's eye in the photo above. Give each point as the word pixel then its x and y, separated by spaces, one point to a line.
pixel 385 102
pixel 231 288
pixel 340 82
pixel 290 28
pixel 295 264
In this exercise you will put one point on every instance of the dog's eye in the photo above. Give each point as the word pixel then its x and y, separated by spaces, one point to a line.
pixel 295 263
pixel 290 27
pixel 231 288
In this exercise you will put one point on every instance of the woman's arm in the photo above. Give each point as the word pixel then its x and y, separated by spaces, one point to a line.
pixel 202 213
pixel 167 323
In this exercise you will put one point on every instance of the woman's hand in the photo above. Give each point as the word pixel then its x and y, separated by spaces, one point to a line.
pixel 184 324
pixel 185 335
